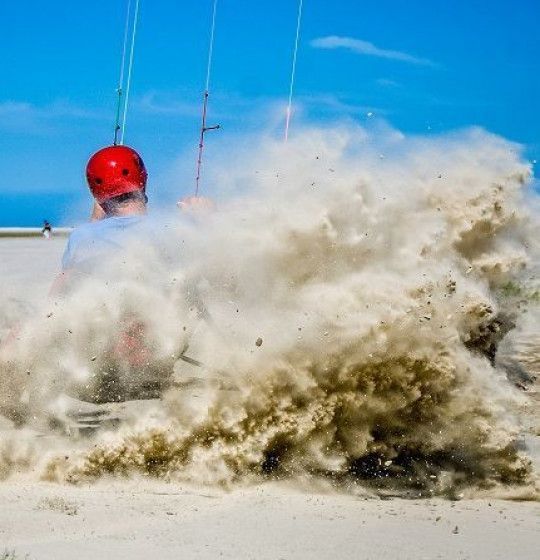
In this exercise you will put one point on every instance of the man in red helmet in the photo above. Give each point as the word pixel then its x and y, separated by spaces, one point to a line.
pixel 117 178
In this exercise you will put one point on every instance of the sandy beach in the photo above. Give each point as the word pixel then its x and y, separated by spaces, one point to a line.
pixel 136 520
pixel 270 280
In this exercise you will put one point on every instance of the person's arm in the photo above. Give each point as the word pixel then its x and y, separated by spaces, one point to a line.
pixel 196 205
pixel 97 213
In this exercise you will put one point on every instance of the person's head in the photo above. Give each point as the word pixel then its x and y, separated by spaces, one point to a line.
pixel 117 178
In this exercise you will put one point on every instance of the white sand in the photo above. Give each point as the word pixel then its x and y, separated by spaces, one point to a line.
pixel 132 520
pixel 29 266
pixel 144 519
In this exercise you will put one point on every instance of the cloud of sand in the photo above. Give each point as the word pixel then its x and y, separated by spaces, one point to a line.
pixel 345 300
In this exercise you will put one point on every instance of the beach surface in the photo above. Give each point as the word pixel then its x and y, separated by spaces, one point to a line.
pixel 131 520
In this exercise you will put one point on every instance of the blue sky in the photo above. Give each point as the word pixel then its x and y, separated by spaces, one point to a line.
pixel 425 66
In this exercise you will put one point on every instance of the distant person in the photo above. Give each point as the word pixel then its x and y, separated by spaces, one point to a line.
pixel 46 230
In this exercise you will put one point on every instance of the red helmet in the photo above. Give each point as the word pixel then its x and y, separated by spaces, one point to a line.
pixel 114 171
